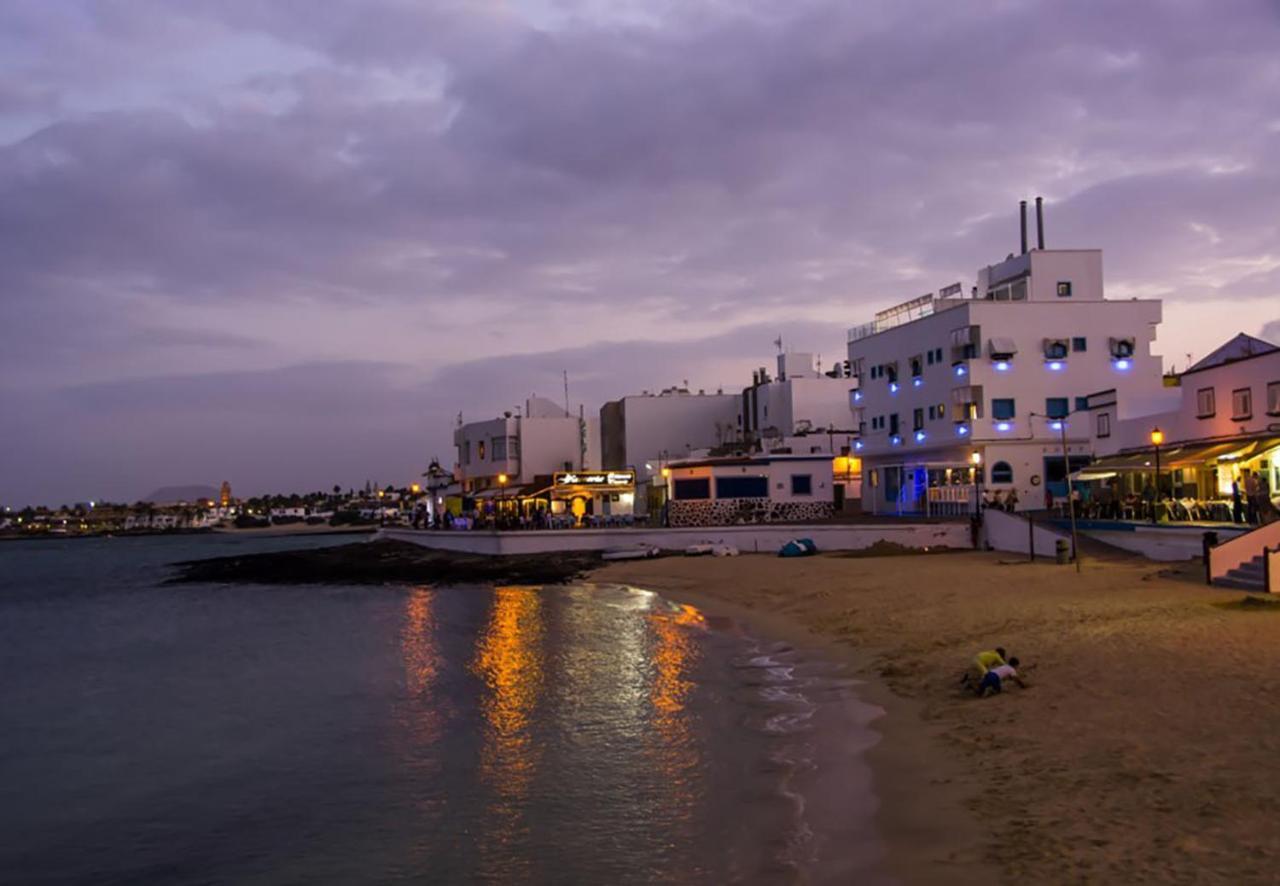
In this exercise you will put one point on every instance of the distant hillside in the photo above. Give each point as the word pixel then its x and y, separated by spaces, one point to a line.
pixel 167 494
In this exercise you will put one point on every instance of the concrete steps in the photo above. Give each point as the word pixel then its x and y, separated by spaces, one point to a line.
pixel 1249 576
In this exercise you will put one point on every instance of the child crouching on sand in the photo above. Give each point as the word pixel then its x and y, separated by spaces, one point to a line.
pixel 993 679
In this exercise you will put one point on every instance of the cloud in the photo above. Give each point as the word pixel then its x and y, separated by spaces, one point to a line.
pixel 225 186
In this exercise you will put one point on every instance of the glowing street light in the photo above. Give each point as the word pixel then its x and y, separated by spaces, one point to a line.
pixel 1157 437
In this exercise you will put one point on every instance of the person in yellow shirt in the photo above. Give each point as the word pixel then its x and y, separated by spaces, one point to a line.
pixel 983 662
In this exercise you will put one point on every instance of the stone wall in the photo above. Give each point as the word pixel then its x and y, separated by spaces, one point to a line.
pixel 737 511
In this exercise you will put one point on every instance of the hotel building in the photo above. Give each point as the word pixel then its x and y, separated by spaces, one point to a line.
pixel 998 377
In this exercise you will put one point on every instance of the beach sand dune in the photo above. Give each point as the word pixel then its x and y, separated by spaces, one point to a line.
pixel 1145 750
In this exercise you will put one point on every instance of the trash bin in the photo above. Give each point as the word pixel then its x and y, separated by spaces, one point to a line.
pixel 1063 551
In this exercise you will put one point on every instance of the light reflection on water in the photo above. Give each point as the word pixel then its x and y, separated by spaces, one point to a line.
pixel 592 734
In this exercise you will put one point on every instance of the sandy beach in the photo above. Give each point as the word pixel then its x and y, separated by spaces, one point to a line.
pixel 1144 750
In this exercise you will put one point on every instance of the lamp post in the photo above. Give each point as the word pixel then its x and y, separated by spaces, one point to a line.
pixel 1071 501
pixel 975 458
pixel 502 495
pixel 1157 437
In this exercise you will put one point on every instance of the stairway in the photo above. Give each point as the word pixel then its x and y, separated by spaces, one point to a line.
pixel 1248 576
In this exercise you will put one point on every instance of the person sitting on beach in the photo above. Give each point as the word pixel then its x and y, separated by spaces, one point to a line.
pixel 993 679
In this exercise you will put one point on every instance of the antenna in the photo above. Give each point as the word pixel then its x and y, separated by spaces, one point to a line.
pixel 778 342
pixel 566 391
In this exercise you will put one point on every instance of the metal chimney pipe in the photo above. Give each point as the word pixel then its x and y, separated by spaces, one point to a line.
pixel 1039 223
pixel 1022 211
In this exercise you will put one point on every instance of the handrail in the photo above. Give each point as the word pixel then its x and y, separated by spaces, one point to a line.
pixel 1243 548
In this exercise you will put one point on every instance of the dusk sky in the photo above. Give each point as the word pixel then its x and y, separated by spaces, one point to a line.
pixel 285 243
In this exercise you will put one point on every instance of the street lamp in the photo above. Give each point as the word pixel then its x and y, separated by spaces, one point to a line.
pixel 502 493
pixel 1157 437
pixel 975 458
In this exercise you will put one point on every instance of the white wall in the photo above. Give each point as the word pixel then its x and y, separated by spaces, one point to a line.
pixel 748 539
pixel 778 470
pixel 1007 532
pixel 677 424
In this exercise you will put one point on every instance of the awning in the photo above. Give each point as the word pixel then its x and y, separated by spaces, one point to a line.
pixel 1135 461
pixel 1002 347
pixel 1251 449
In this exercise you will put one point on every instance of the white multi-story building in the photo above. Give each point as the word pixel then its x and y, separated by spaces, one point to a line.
pixel 536 444
pixel 801 409
pixel 996 375
pixel 649 429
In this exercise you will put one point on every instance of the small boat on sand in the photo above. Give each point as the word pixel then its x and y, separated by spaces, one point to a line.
pixel 630 552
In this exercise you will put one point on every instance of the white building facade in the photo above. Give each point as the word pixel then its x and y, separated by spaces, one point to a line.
pixel 994 377
pixel 536 444
pixel 730 490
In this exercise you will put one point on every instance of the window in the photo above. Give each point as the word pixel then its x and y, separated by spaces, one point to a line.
pixel 1056 407
pixel 1055 350
pixel 480 450
pixel 1104 424
pixel 466 452
pixel 917 419
pixel 1273 398
pixel 1079 344
pixel 802 484
pixel 1064 289
pixel 1082 404
pixel 1205 407
pixel 1001 472
pixel 1002 408
pixel 937 355
pixel 699 487
pixel 893 423
pixel 742 487
pixel 498 446
pixel 917 367
pixel 1241 403
pixel 933 413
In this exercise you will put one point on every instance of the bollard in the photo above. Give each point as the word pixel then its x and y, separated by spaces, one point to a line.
pixel 1207 542
pixel 1063 551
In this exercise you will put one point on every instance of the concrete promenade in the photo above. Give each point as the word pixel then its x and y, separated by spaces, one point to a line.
pixel 748 539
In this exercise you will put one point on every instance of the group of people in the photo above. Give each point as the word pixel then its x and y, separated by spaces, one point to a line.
pixel 998 501
pixel 989 671
pixel 1252 504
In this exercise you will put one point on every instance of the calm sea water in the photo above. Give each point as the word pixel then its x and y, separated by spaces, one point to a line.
pixel 347 735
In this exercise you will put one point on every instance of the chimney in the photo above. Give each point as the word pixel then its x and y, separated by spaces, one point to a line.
pixel 1039 223
pixel 1022 211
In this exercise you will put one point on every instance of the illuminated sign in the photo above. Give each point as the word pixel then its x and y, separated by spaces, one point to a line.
pixel 595 478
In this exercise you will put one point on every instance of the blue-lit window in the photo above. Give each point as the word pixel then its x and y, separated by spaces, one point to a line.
pixel 1056 407
pixel 742 487
pixel 1002 408
pixel 802 484
pixel 1079 344
pixel 699 487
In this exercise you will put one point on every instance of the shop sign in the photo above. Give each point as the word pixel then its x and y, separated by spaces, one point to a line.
pixel 595 478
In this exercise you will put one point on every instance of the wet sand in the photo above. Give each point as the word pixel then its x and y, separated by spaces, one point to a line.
pixel 1144 751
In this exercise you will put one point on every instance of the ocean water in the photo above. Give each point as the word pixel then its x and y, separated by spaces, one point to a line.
pixel 590 734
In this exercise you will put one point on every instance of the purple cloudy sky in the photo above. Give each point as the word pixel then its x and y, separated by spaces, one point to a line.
pixel 285 243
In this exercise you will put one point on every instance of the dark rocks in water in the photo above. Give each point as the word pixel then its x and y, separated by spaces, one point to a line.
pixel 381 562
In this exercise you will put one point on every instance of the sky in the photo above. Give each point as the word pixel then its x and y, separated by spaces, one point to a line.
pixel 286 244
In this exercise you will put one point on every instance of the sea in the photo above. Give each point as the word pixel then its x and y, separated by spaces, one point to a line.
pixel 154 733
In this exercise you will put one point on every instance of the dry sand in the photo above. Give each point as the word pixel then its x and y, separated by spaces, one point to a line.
pixel 1145 750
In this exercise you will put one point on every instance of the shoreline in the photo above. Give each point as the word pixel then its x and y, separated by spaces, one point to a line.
pixel 927 834
pixel 1142 751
